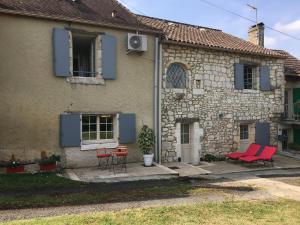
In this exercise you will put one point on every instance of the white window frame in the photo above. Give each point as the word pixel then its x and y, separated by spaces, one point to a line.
pixel 248 128
pixel 184 133
pixel 101 143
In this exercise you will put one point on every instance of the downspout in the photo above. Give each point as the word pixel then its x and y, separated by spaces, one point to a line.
pixel 159 99
pixel 156 96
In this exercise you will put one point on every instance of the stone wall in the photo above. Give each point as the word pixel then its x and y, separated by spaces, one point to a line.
pixel 210 96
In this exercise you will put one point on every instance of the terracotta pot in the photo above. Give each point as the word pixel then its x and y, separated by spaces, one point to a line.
pixel 47 167
pixel 19 169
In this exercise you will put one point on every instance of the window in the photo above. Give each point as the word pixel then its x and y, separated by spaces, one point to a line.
pixel 249 76
pixel 97 127
pixel 244 132
pixel 176 76
pixel 198 84
pixel 83 55
pixel 185 133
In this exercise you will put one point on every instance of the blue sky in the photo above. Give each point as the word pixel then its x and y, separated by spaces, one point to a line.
pixel 283 15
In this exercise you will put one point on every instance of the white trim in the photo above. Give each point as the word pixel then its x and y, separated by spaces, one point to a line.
pixel 86 147
pixel 104 143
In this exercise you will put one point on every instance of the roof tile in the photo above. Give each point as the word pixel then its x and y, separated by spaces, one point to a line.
pixel 208 37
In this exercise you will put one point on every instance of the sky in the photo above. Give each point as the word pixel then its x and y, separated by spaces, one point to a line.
pixel 283 15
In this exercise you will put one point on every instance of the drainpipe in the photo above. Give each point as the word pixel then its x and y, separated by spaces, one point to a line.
pixel 159 98
pixel 156 96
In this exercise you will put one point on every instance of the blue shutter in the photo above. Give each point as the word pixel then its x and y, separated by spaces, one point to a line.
pixel 61 59
pixel 264 79
pixel 127 128
pixel 109 57
pixel 262 134
pixel 239 76
pixel 70 130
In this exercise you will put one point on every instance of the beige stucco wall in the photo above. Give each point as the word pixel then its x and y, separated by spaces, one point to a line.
pixel 32 98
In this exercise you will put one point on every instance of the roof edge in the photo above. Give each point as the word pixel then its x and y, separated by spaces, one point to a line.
pixel 172 21
pixel 82 21
pixel 222 49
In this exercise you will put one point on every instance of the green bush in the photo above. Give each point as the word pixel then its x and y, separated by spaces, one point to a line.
pixel 52 159
pixel 146 140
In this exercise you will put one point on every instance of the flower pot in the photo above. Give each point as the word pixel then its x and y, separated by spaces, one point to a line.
pixel 48 167
pixel 148 160
pixel 19 169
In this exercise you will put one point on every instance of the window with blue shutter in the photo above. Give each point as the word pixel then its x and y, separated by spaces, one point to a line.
pixel 265 84
pixel 109 57
pixel 70 130
pixel 262 134
pixel 127 128
pixel 239 76
pixel 61 58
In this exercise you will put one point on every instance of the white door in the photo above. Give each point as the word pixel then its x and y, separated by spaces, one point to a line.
pixel 186 146
pixel 244 137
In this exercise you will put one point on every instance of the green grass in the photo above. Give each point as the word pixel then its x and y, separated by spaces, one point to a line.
pixel 46 190
pixel 28 182
pixel 226 213
pixel 94 197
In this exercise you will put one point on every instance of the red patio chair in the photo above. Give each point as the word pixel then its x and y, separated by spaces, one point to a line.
pixel 251 151
pixel 265 156
pixel 103 156
pixel 120 155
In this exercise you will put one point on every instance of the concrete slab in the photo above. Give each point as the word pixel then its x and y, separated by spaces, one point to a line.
pixel 185 169
pixel 135 171
pixel 280 162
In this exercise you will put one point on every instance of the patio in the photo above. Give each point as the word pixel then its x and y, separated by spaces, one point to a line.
pixel 136 171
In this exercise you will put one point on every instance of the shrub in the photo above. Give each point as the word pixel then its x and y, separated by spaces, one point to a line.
pixel 146 139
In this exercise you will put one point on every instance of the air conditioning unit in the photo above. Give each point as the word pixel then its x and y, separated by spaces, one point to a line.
pixel 137 43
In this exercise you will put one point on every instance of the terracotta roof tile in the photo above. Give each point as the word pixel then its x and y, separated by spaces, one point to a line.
pixel 203 36
pixel 291 63
pixel 94 11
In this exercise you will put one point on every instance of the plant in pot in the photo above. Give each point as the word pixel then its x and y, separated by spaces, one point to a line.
pixel 48 163
pixel 14 166
pixel 146 141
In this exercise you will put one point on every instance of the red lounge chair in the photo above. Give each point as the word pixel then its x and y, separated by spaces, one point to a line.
pixel 251 151
pixel 266 156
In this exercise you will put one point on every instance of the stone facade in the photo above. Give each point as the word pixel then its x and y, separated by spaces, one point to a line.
pixel 211 99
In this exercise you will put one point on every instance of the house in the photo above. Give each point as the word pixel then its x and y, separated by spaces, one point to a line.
pixel 69 82
pixel 289 132
pixel 218 92
pixel 78 75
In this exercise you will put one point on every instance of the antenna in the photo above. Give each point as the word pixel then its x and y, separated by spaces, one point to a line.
pixel 254 8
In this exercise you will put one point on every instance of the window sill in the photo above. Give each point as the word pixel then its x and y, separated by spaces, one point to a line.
pixel 86 80
pixel 198 91
pixel 94 145
pixel 251 91
pixel 176 90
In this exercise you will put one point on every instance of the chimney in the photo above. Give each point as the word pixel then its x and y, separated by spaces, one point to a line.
pixel 256 34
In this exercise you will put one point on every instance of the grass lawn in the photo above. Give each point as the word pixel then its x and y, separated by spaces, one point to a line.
pixel 226 213
pixel 45 190
pixel 28 182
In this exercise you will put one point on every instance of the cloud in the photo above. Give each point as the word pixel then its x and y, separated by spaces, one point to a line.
pixel 270 41
pixel 292 27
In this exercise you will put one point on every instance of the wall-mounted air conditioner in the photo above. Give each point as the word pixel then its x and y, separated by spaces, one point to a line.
pixel 137 43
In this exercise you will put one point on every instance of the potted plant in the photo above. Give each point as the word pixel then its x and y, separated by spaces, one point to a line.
pixel 48 163
pixel 146 141
pixel 14 166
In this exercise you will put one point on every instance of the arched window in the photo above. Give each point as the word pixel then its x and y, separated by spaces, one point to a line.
pixel 176 76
